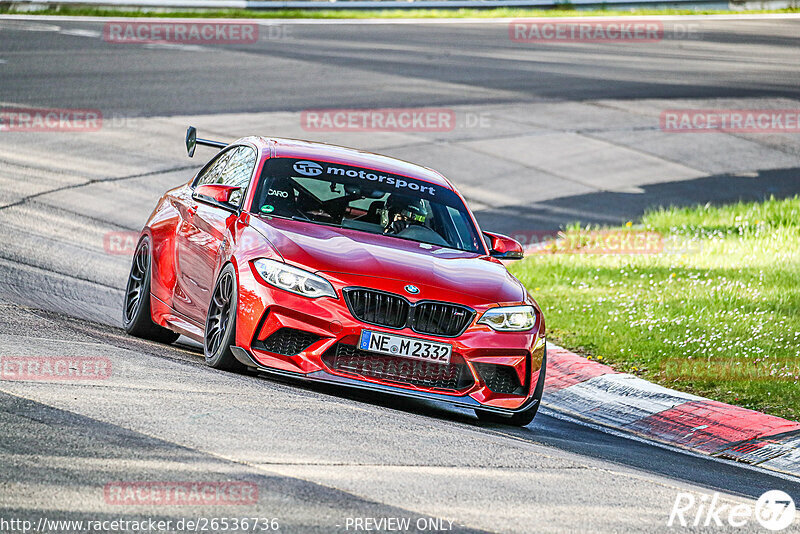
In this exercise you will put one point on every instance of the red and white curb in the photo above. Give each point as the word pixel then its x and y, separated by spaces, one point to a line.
pixel 593 392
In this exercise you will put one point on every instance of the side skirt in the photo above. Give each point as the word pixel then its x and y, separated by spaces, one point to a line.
pixel 165 316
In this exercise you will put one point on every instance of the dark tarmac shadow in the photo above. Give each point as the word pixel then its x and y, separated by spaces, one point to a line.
pixel 573 437
pixel 603 207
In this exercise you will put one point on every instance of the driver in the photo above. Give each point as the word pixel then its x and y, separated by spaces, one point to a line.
pixel 401 212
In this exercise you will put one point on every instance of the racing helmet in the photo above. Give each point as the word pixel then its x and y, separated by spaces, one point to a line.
pixel 402 211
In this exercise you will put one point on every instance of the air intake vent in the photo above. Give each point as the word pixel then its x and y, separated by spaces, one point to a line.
pixel 500 378
pixel 351 360
pixel 287 341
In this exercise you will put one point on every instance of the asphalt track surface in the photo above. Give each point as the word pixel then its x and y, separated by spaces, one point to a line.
pixel 320 455
pixel 295 67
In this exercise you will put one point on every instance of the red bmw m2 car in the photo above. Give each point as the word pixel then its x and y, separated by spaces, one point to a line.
pixel 330 264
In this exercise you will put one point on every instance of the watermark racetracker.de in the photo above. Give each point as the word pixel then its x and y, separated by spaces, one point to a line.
pixel 624 241
pixel 188 33
pixel 391 120
pixel 180 493
pixel 54 368
pixel 144 525
pixel 600 30
pixel 730 120
pixel 121 242
pixel 63 120
pixel 50 120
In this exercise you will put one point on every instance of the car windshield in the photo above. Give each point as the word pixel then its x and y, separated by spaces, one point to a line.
pixel 365 200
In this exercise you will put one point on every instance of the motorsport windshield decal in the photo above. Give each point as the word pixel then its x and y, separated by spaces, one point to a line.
pixel 329 170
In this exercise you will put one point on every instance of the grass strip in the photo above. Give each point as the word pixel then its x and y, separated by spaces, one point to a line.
pixel 716 312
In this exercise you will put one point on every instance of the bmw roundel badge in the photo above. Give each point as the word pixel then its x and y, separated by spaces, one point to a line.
pixel 412 289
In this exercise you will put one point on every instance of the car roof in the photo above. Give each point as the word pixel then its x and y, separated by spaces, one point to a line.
pixel 296 148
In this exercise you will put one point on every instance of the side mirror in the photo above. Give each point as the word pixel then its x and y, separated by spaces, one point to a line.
pixel 191 140
pixel 503 247
pixel 218 193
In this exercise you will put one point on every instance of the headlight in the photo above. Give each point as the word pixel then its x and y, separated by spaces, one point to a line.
pixel 510 318
pixel 289 278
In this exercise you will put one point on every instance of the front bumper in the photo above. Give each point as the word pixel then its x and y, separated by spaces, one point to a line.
pixel 328 323
pixel 246 359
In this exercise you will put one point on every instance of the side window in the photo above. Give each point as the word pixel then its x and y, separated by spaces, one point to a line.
pixel 238 171
pixel 211 174
pixel 232 167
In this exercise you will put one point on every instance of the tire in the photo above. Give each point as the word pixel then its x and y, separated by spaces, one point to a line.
pixel 524 417
pixel 136 315
pixel 220 332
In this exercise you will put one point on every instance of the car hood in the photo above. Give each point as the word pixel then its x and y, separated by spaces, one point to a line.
pixel 320 248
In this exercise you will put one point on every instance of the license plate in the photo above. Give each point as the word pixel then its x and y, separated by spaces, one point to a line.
pixel 407 347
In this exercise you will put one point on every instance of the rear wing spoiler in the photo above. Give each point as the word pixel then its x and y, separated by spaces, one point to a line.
pixel 192 141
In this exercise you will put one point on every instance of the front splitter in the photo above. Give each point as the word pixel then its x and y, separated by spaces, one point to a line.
pixel 245 358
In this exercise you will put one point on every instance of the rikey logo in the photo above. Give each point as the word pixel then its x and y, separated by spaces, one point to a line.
pixel 308 168
pixel 774 510
pixel 412 289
